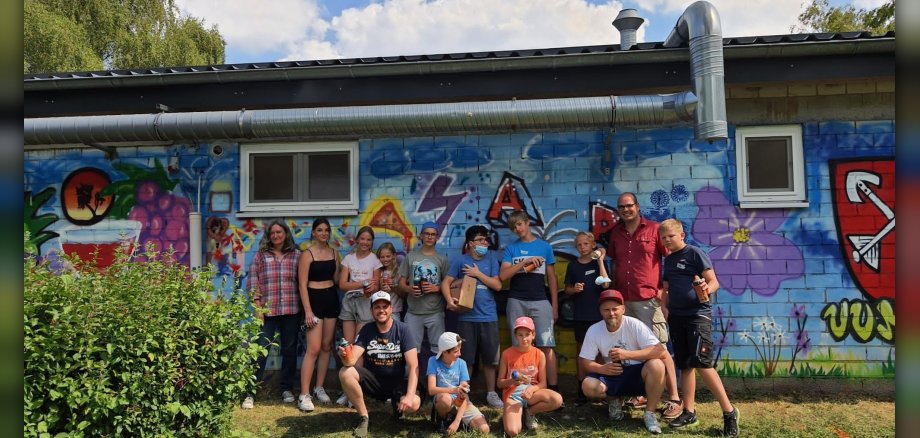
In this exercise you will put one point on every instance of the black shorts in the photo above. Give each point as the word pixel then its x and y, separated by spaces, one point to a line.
pixel 324 302
pixel 629 383
pixel 377 389
pixel 480 338
pixel 581 328
pixel 691 337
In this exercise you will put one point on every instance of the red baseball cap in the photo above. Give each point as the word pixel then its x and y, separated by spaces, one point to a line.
pixel 524 321
pixel 610 294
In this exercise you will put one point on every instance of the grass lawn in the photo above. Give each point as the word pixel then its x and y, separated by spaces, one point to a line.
pixel 772 412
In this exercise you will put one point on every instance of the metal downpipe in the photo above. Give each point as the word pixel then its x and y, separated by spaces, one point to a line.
pixel 701 27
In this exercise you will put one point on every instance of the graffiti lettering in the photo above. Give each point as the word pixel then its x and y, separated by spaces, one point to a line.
pixel 512 194
pixel 603 218
pixel 860 319
pixel 436 197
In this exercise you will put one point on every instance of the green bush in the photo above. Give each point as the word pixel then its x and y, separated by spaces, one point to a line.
pixel 139 349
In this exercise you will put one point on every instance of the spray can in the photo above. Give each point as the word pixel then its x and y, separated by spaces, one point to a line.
pixel 698 287
pixel 515 375
pixel 530 266
pixel 458 400
pixel 385 278
pixel 346 346
pixel 418 282
pixel 596 254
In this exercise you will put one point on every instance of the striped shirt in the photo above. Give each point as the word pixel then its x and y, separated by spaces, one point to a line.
pixel 276 279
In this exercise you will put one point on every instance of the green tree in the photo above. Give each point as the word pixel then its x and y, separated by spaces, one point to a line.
pixel 74 35
pixel 819 16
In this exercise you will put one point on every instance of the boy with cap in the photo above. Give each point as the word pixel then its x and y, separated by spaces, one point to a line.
pixel 630 363
pixel 689 314
pixel 420 275
pixel 390 359
pixel 522 372
pixel 448 382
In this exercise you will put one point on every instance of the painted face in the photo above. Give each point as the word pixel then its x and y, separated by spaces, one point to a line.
pixel 365 242
pixel 612 312
pixel 321 233
pixel 584 245
pixel 381 311
pixel 627 208
pixel 277 235
pixel 524 336
pixel 671 239
pixel 387 258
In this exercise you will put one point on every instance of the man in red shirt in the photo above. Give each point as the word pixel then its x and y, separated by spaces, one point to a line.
pixel 636 251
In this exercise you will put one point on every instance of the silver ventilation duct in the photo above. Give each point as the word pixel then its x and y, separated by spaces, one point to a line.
pixel 699 25
pixel 628 22
pixel 378 120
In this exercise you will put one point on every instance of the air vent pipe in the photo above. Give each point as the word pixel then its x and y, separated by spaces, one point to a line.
pixel 700 26
pixel 628 22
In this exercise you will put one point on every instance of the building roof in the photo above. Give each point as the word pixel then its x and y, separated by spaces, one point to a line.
pixel 573 71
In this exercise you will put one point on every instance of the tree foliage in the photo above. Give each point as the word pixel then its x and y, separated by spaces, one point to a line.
pixel 819 16
pixel 75 35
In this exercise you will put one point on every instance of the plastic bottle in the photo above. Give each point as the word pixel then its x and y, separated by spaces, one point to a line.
pixel 347 347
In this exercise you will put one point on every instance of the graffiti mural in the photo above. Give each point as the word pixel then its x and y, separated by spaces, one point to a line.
pixel 805 291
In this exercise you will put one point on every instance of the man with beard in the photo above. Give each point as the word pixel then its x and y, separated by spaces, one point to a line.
pixel 623 358
pixel 390 356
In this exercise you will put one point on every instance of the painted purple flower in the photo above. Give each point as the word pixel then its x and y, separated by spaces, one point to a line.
pixel 747 251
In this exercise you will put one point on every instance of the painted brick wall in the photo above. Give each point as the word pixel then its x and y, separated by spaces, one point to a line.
pixel 793 300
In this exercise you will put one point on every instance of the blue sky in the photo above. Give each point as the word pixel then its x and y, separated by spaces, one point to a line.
pixel 276 30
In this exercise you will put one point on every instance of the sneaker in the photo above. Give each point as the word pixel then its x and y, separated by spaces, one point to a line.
pixel 320 394
pixel 637 402
pixel 305 403
pixel 361 429
pixel 580 399
pixel 247 403
pixel 651 423
pixel 529 421
pixel 730 428
pixel 287 397
pixel 342 400
pixel 672 409
pixel 615 410
pixel 685 419
pixel 494 400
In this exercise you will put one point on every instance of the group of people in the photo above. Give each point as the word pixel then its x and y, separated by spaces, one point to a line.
pixel 659 293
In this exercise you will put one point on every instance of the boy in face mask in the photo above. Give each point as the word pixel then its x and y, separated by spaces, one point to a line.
pixel 479 326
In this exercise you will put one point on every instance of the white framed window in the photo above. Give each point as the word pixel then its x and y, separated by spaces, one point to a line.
pixel 771 166
pixel 282 179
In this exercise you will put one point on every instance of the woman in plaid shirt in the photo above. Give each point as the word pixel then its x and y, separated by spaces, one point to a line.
pixel 273 285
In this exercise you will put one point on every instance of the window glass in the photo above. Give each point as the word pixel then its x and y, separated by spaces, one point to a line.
pixel 769 164
pixel 329 178
pixel 272 177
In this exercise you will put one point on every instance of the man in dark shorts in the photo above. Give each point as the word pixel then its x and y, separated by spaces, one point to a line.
pixel 632 362
pixel 389 352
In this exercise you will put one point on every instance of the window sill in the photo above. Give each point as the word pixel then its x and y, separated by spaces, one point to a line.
pixel 773 204
pixel 295 213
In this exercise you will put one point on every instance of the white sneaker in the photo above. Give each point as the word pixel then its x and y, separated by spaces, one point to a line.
pixel 342 400
pixel 247 403
pixel 320 393
pixel 306 403
pixel 287 397
pixel 494 400
pixel 529 421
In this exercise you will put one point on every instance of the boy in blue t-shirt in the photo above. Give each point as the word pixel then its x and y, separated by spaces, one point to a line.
pixel 689 315
pixel 585 279
pixel 448 382
pixel 478 326
pixel 529 262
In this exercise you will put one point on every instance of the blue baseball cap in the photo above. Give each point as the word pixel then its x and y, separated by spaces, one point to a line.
pixel 430 224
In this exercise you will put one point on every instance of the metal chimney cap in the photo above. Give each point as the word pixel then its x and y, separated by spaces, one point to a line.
pixel 628 19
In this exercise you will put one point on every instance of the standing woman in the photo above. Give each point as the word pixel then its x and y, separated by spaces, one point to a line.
pixel 389 278
pixel 273 284
pixel 320 298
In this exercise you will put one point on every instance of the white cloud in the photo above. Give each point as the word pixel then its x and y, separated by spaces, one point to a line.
pixel 255 27
pixel 411 27
pixel 739 18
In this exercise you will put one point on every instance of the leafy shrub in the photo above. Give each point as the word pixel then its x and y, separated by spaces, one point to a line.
pixel 138 349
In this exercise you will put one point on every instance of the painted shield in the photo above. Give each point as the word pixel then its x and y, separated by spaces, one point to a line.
pixel 863 199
